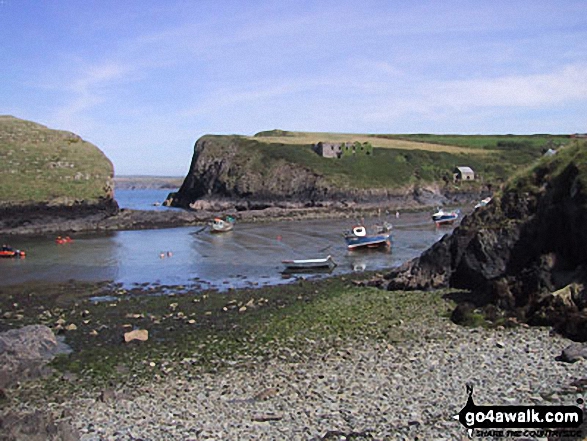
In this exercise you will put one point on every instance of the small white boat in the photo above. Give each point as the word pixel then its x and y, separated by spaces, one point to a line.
pixel 219 225
pixel 442 217
pixel 483 202
pixel 310 264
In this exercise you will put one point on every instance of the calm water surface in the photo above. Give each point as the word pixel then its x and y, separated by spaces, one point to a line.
pixel 250 255
pixel 143 199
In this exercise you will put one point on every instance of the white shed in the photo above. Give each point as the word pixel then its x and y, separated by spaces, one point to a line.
pixel 464 174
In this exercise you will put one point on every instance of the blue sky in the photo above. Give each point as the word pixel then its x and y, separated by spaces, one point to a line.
pixel 144 79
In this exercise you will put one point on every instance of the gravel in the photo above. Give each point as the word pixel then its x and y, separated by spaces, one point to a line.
pixel 362 389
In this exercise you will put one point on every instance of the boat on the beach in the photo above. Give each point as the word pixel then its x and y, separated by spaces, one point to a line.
pixel 219 225
pixel 325 263
pixel 8 251
pixel 483 202
pixel 359 237
pixel 442 217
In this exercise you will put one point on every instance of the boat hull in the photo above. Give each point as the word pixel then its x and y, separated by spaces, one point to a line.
pixel 445 220
pixel 214 229
pixel 376 241
pixel 309 264
pixel 445 217
pixel 11 254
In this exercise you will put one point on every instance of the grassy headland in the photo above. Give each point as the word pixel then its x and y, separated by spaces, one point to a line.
pixel 40 165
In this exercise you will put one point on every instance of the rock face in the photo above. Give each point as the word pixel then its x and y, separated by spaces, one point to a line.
pixel 222 167
pixel 231 171
pixel 524 253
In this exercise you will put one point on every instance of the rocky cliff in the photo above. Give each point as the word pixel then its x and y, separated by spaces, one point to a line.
pixel 47 173
pixel 223 167
pixel 254 175
pixel 524 255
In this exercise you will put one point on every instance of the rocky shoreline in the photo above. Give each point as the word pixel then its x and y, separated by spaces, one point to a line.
pixel 379 391
pixel 71 220
pixel 362 390
pixel 326 360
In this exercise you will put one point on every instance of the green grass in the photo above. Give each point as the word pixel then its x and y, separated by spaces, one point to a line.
pixel 397 161
pixel 486 142
pixel 501 156
pixel 39 165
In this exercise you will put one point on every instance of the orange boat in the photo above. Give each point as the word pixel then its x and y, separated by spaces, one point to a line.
pixel 61 240
pixel 7 251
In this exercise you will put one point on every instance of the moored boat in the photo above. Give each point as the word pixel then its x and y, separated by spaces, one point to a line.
pixel 219 225
pixel 442 217
pixel 7 251
pixel 483 202
pixel 358 237
pixel 326 263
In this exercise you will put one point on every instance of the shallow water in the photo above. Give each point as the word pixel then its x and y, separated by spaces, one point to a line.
pixel 250 255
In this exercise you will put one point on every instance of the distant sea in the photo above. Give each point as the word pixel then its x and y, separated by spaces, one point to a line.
pixel 143 199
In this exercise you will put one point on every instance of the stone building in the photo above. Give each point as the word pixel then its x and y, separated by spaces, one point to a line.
pixel 328 150
pixel 337 150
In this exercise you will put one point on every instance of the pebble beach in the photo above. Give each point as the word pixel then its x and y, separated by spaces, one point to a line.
pixel 359 390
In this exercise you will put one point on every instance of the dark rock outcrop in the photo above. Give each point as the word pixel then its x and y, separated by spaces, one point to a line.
pixel 105 220
pixel 524 253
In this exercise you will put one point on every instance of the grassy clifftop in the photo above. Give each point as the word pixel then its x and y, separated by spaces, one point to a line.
pixel 278 165
pixel 40 165
pixel 400 160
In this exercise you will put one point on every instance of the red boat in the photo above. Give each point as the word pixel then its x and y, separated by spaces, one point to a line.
pixel 61 240
pixel 7 251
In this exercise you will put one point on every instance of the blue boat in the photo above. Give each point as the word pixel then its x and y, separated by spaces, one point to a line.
pixel 442 217
pixel 359 238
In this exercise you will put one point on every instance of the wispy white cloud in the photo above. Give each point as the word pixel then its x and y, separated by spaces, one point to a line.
pixel 538 90
pixel 89 87
pixel 437 99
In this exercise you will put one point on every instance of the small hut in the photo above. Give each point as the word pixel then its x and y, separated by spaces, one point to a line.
pixel 463 174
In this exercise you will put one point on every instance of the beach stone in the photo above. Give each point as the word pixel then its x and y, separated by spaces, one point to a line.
pixel 262 417
pixel 107 395
pixel 137 334
pixel 266 394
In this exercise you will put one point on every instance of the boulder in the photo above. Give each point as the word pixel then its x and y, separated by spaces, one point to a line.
pixel 35 426
pixel 25 352
pixel 574 352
